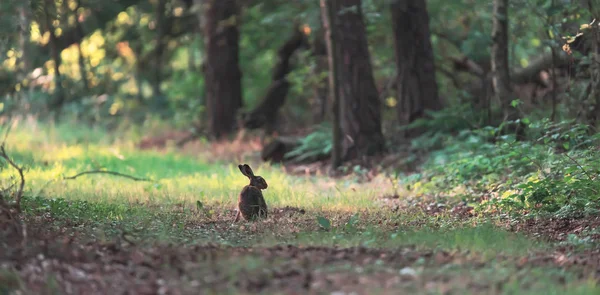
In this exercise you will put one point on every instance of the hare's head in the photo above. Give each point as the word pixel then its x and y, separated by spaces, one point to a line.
pixel 255 180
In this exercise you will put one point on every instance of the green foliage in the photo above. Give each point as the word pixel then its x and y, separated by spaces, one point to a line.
pixel 324 222
pixel 555 171
pixel 316 144
pixel 440 125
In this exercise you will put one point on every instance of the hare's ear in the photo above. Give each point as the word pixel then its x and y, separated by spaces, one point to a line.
pixel 242 169
pixel 249 172
pixel 245 169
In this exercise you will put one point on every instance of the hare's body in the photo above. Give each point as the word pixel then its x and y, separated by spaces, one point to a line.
pixel 251 203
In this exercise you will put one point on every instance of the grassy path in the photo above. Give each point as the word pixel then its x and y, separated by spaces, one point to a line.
pixel 102 234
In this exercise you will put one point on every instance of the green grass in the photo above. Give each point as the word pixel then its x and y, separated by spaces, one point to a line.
pixel 485 239
pixel 177 178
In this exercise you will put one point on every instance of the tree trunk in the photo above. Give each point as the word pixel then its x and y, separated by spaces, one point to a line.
pixel 159 100
pixel 58 99
pixel 500 67
pixel 222 74
pixel 417 88
pixel 594 93
pixel 24 44
pixel 360 114
pixel 329 19
pixel 320 101
pixel 265 114
pixel 82 70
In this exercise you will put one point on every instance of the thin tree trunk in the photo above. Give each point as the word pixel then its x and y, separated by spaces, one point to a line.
pixel 139 77
pixel 554 70
pixel 328 18
pixel 594 93
pixel 500 67
pixel 82 70
pixel 58 99
pixel 159 100
pixel 417 89
pixel 554 85
pixel 266 113
pixel 222 74
pixel 319 103
pixel 360 108
pixel 24 24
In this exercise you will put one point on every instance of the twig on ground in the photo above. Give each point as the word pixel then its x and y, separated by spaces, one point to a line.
pixel 91 172
pixel 107 172
pixel 127 239
pixel 19 169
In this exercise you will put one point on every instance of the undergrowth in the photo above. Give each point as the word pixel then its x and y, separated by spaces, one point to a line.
pixel 554 171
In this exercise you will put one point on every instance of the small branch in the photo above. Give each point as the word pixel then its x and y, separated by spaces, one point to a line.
pixel 9 127
pixel 107 172
pixel 450 75
pixel 19 194
pixel 467 65
pixel 126 239
pixel 580 167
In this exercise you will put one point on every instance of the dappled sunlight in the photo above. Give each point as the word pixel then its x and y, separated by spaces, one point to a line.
pixel 175 178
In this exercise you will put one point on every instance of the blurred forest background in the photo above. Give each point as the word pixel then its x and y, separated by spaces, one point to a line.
pixel 408 72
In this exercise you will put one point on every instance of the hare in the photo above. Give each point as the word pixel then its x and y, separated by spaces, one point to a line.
pixel 251 203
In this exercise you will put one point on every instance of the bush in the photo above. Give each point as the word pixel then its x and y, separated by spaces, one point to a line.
pixel 554 171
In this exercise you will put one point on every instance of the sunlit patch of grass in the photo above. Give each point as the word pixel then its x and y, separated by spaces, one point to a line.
pixel 176 178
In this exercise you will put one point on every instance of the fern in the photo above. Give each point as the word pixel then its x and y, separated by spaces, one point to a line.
pixel 317 143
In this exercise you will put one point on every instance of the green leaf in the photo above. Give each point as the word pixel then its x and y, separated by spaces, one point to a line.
pixel 324 222
pixel 352 222
pixel 566 145
pixel 515 103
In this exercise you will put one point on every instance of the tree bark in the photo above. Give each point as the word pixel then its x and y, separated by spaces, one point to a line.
pixel 265 114
pixel 320 102
pixel 24 44
pixel 500 67
pixel 222 74
pixel 417 89
pixel 594 93
pixel 158 98
pixel 360 113
pixel 81 59
pixel 58 99
pixel 329 19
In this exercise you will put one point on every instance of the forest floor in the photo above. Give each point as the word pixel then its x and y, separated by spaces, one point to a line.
pixel 174 234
